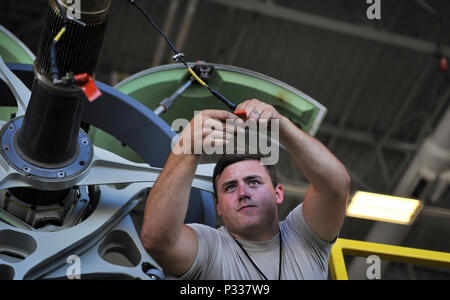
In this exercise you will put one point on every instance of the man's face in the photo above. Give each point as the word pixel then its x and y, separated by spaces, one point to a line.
pixel 247 200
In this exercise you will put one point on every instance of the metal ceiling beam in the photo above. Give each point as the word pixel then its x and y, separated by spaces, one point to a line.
pixel 441 105
pixel 400 114
pixel 436 212
pixel 272 10
pixel 366 138
pixel 356 179
pixel 371 63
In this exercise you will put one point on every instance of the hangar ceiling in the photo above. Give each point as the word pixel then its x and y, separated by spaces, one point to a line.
pixel 381 81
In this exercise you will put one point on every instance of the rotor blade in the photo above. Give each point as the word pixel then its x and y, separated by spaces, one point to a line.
pixel 17 87
pixel 109 168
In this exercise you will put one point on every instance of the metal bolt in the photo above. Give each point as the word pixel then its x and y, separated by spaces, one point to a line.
pixel 150 270
pixel 84 141
pixel 61 174
pixel 26 169
pixel 5 147
pixel 178 57
pixel 11 127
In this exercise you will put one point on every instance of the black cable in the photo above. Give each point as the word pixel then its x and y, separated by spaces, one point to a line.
pixel 142 10
pixel 54 65
pixel 254 264
pixel 225 101
pixel 180 57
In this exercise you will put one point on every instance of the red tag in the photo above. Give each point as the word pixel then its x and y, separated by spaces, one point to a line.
pixel 87 84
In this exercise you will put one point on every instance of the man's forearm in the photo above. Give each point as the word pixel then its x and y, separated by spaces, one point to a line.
pixel 322 169
pixel 168 201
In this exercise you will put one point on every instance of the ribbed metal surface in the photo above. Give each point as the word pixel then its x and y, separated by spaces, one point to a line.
pixel 38 197
pixel 79 49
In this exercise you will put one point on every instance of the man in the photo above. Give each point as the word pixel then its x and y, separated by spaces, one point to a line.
pixel 253 244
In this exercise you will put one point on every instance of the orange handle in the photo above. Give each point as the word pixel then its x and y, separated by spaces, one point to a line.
pixel 241 114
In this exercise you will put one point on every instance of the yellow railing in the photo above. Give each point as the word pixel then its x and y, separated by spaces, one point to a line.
pixel 384 252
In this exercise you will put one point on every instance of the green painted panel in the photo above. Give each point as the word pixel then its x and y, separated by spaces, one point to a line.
pixel 152 86
pixel 12 50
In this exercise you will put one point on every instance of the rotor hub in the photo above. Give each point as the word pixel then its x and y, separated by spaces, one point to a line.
pixel 44 171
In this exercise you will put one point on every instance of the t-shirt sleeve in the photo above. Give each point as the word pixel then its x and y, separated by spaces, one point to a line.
pixel 296 227
pixel 208 241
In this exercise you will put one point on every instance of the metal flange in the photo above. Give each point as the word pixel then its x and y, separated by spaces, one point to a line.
pixel 28 167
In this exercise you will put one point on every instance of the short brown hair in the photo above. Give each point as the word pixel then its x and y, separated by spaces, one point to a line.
pixel 227 160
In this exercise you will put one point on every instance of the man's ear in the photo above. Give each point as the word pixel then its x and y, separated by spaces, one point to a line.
pixel 217 205
pixel 279 193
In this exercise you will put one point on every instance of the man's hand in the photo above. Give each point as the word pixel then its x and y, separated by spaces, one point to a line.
pixel 209 127
pixel 259 111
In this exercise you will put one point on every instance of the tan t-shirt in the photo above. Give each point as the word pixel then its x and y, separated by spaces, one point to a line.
pixel 304 256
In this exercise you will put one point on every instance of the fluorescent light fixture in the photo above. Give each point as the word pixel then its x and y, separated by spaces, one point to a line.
pixel 384 208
